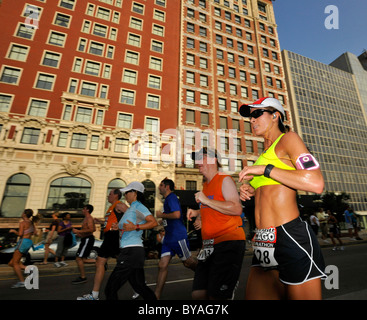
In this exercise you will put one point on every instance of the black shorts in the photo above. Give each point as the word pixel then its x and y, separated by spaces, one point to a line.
pixel 219 273
pixel 292 249
pixel 85 247
pixel 334 230
pixel 110 245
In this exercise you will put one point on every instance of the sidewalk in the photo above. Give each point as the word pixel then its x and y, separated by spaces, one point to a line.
pixel 7 273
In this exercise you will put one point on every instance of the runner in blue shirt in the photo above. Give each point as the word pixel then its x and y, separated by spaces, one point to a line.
pixel 130 262
pixel 175 239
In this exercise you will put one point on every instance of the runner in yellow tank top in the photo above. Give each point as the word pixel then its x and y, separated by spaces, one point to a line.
pixel 287 260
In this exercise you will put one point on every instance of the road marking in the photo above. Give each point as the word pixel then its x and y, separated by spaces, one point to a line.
pixel 173 281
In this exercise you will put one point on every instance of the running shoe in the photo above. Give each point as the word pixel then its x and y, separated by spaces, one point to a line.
pixel 88 296
pixel 18 285
pixel 79 280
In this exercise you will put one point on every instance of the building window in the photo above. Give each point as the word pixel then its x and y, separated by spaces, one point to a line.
pixel 222 104
pixel 122 145
pixel 51 59
pixel 132 57
pixel 25 31
pixel 30 136
pixel 10 75
pixel 94 143
pixel 130 76
pixel 157 46
pixel 68 4
pixel 154 82
pixel 63 138
pixel 103 13
pixel 223 123
pixel 204 118
pixel 68 193
pixel 152 125
pixel 249 146
pixel 159 15
pixel 15 195
pixel 18 52
pixel 96 48
pixel 5 102
pixel 204 99
pixel 124 121
pixel 62 20
pixel 190 96
pixel 138 8
pixel 100 30
pixel 153 102
pixel 190 116
pixel 92 68
pixel 136 23
pixel 158 30
pixel 37 108
pixel 127 96
pixel 88 89
pixel 133 40
pixel 83 115
pixel 45 81
pixel 57 39
pixel 190 185
pixel 161 3
pixel 79 141
pixel 155 63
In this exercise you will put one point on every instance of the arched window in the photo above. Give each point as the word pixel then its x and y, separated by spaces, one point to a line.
pixel 15 195
pixel 114 184
pixel 68 193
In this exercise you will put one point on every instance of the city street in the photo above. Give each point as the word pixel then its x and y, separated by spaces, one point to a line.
pixel 347 281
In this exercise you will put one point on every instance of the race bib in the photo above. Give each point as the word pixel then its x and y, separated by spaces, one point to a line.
pixel 207 250
pixel 263 245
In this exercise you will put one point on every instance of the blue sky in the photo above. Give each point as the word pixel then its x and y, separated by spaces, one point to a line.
pixel 301 28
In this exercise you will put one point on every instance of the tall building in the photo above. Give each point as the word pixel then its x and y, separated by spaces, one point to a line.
pixel 230 55
pixel 329 116
pixel 95 94
pixel 77 81
pixel 357 66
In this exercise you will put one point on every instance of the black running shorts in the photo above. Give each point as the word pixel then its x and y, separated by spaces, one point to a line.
pixel 111 245
pixel 219 272
pixel 292 249
pixel 85 247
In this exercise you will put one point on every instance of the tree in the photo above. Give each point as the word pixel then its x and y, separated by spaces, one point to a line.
pixel 335 202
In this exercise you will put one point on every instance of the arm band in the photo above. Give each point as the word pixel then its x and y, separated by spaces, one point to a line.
pixel 267 170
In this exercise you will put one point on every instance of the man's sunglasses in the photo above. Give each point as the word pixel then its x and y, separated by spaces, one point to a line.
pixel 258 113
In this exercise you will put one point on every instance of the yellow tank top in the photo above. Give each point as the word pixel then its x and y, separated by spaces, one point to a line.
pixel 269 157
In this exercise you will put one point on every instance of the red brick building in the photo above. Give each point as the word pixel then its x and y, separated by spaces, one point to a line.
pixel 78 78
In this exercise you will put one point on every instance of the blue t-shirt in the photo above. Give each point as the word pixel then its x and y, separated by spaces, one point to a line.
pixel 136 214
pixel 174 228
pixel 348 216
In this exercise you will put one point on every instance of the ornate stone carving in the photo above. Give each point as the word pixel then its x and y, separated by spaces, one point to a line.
pixel 74 167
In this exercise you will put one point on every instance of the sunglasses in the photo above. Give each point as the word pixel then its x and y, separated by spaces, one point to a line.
pixel 258 113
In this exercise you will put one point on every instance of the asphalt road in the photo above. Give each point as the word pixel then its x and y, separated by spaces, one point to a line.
pixel 347 279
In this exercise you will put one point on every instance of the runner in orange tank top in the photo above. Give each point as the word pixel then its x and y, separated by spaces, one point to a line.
pixel 220 260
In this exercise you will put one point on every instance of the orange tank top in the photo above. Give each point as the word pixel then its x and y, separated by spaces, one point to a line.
pixel 110 217
pixel 216 225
